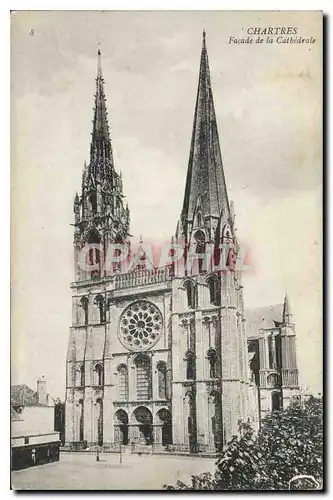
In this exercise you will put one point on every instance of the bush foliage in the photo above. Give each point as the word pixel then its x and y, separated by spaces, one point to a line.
pixel 289 443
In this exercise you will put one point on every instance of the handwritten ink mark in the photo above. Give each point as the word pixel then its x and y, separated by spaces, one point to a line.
pixel 32 32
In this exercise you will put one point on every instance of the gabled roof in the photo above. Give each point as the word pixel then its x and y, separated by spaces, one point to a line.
pixel 22 395
pixel 266 318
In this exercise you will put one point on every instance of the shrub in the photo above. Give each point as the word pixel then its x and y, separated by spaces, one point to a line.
pixel 289 443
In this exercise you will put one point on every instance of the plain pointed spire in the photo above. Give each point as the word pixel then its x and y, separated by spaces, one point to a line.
pixel 205 175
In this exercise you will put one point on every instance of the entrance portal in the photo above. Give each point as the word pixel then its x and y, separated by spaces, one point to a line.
pixel 142 420
pixel 121 427
pixel 165 420
pixel 276 404
pixel 145 434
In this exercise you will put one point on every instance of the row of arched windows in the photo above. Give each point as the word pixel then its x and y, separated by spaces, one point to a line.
pixel 99 420
pixel 214 419
pixel 191 365
pixel 143 379
pixel 100 302
pixel 144 375
pixel 213 283
pixel 98 375
pixel 214 286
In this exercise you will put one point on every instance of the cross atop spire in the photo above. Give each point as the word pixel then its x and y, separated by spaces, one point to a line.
pixel 205 176
pixel 99 63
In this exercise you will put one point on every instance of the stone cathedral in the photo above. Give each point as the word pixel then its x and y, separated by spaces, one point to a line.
pixel 163 357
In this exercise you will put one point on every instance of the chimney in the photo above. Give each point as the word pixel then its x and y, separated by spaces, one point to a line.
pixel 41 391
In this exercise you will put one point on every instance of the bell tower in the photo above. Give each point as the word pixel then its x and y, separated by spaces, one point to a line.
pixel 209 356
pixel 101 221
pixel 100 215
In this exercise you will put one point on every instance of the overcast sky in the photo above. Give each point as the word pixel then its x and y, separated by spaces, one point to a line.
pixel 268 107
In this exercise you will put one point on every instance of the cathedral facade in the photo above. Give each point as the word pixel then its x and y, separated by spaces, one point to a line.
pixel 159 356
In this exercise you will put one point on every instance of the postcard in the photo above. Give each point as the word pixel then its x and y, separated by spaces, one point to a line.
pixel 166 250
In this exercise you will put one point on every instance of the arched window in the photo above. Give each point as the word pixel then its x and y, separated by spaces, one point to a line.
pixel 212 357
pixel 99 374
pixel 99 300
pixel 198 245
pixel 199 238
pixel 161 371
pixel 271 352
pixel 189 420
pixel 272 380
pixel 226 235
pixel 82 375
pixel 214 290
pixel 93 202
pixel 116 266
pixel 122 382
pixel 278 351
pixel 190 365
pixel 190 294
pixel 94 240
pixel 143 377
pixel 84 302
pixel 276 404
pixel 81 419
pixel 215 416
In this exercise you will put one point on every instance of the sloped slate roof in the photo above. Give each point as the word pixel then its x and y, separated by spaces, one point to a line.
pixel 266 317
pixel 22 395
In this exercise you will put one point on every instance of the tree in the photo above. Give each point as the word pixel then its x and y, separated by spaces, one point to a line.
pixel 288 444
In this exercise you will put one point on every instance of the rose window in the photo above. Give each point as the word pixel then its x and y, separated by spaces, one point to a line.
pixel 140 326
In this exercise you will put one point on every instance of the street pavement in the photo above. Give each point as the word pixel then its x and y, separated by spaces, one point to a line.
pixel 81 471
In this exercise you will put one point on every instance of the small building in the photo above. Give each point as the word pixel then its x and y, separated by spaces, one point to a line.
pixel 33 438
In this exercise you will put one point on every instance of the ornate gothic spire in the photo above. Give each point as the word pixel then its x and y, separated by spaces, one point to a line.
pixel 100 147
pixel 100 214
pixel 205 177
